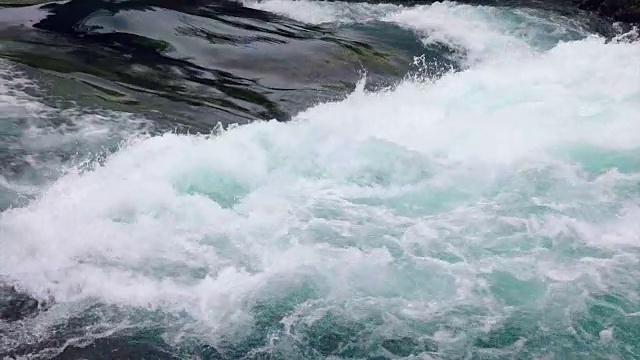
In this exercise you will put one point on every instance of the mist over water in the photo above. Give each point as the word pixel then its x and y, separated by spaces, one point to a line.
pixel 487 213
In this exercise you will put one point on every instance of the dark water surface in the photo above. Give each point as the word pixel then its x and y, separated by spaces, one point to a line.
pixel 198 60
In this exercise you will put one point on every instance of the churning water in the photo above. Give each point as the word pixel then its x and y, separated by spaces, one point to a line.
pixel 489 213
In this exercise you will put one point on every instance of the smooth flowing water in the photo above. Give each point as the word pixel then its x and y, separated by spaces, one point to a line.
pixel 488 212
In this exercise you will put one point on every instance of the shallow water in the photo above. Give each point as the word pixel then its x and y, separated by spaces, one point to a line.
pixel 482 207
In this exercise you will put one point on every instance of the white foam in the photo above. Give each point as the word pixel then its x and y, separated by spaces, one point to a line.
pixel 504 113
pixel 410 200
pixel 343 193
pixel 40 134
pixel 19 102
pixel 481 32
pixel 606 335
pixel 477 31
pixel 321 12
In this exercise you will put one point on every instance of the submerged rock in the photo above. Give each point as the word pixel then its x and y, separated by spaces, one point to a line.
pixel 16 305
pixel 117 348
pixel 221 60
pixel 111 347
pixel 619 10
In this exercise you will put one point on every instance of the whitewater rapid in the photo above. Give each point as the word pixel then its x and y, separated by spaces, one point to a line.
pixel 501 199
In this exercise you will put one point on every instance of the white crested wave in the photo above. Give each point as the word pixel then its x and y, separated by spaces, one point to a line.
pixel 509 186
pixel 320 12
pixel 482 32
pixel 432 182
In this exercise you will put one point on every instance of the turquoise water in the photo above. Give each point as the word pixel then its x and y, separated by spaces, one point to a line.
pixel 488 214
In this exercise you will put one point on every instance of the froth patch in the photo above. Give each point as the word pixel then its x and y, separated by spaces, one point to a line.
pixel 431 202
pixel 40 142
pixel 322 12
pixel 479 33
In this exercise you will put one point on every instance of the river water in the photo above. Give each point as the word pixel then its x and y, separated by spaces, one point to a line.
pixel 286 179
